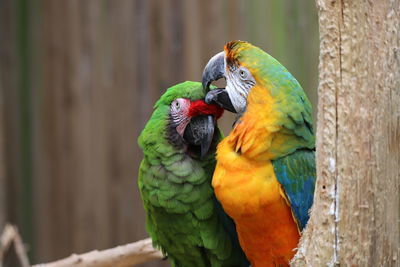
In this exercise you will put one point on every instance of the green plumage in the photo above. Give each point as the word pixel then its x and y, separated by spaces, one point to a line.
pixel 182 212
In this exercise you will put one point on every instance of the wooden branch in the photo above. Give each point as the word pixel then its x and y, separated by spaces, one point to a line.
pixel 11 238
pixel 121 256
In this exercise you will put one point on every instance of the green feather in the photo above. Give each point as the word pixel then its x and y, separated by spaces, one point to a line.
pixel 177 195
pixel 205 211
pixel 181 168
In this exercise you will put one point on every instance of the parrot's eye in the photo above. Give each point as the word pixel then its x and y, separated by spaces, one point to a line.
pixel 179 104
pixel 243 73
pixel 176 105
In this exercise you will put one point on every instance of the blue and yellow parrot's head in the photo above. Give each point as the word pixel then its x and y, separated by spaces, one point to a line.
pixel 257 81
pixel 244 65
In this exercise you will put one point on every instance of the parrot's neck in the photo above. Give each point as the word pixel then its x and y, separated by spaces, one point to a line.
pixel 258 134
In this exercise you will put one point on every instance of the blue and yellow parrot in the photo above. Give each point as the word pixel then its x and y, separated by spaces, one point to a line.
pixel 265 172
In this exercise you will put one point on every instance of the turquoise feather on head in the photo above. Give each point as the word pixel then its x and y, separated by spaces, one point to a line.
pixel 245 66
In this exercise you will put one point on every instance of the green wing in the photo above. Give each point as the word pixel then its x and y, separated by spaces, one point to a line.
pixel 182 216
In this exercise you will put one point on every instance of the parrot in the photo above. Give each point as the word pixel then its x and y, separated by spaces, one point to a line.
pixel 265 173
pixel 183 217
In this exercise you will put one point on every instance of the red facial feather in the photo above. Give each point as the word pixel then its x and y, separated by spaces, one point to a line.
pixel 199 107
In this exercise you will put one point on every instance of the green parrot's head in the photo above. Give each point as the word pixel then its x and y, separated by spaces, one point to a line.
pixel 183 119
pixel 244 65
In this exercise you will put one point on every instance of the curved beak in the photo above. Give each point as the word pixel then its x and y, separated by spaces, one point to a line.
pixel 220 97
pixel 200 132
pixel 214 70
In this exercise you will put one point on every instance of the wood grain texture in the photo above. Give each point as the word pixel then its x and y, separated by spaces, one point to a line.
pixel 355 218
pixel 319 251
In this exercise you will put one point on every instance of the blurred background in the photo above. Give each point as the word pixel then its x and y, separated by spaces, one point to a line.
pixel 78 80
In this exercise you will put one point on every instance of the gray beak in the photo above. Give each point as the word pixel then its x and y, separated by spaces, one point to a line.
pixel 220 97
pixel 214 70
pixel 200 132
pixel 208 135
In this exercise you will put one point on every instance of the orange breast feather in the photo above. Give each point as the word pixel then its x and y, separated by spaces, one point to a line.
pixel 246 185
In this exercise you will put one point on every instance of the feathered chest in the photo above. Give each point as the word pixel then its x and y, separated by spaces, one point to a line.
pixel 251 194
pixel 175 185
pixel 242 184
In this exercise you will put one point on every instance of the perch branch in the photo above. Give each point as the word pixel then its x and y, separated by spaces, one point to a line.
pixel 10 237
pixel 121 256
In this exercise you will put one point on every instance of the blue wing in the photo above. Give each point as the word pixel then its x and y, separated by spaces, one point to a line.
pixel 296 173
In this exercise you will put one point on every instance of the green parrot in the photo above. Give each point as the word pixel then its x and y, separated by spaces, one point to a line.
pixel 184 219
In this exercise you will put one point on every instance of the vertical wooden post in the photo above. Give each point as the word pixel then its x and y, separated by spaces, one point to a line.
pixel 355 218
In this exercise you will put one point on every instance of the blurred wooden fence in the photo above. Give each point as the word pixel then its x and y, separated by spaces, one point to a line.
pixel 77 83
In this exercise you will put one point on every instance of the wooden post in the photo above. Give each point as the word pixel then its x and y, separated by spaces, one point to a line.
pixel 355 217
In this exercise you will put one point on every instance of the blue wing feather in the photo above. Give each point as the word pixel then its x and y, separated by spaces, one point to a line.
pixel 296 173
